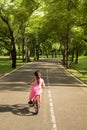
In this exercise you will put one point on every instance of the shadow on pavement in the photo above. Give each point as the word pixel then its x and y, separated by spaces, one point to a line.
pixel 52 71
pixel 14 87
pixel 17 109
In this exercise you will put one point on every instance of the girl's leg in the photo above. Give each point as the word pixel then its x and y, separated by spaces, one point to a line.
pixel 31 96
pixel 40 98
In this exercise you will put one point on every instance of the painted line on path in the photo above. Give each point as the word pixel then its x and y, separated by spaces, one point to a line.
pixel 52 114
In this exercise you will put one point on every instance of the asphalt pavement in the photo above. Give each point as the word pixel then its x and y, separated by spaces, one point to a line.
pixel 64 99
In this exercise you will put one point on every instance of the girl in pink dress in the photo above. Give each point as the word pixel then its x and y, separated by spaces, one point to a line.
pixel 36 88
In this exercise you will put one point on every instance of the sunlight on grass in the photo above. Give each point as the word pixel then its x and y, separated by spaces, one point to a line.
pixel 80 69
pixel 5 65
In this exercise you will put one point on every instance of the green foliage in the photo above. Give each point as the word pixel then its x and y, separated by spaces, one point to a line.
pixel 5 64
pixel 82 65
pixel 14 16
pixel 80 69
pixel 44 23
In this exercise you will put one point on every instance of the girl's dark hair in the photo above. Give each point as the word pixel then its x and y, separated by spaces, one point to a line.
pixel 38 75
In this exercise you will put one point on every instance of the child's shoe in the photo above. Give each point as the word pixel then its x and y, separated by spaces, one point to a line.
pixel 31 103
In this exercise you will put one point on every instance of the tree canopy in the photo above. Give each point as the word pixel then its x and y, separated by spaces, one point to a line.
pixel 32 27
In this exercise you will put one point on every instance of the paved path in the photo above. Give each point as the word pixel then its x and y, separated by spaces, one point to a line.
pixel 64 100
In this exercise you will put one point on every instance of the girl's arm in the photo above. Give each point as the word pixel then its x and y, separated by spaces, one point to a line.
pixel 31 82
pixel 43 84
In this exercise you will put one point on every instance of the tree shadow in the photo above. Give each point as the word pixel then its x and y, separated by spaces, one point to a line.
pixel 18 109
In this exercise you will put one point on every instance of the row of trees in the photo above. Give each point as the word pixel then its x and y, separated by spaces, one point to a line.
pixel 68 24
pixel 31 27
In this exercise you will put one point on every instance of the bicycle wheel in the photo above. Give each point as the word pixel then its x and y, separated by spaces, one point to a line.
pixel 36 105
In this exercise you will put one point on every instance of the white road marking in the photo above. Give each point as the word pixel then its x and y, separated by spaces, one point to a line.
pixel 82 83
pixel 52 114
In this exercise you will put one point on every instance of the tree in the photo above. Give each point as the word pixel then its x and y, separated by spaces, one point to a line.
pixel 60 18
pixel 10 36
pixel 14 15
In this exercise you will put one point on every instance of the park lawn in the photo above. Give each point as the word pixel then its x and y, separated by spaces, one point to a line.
pixel 80 69
pixel 5 65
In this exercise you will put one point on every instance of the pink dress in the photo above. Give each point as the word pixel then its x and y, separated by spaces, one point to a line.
pixel 36 88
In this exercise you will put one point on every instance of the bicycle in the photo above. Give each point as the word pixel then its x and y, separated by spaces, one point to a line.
pixel 35 103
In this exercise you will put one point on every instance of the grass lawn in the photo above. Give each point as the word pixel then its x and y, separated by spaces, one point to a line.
pixel 5 65
pixel 80 69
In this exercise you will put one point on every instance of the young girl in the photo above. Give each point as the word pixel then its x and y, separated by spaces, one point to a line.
pixel 37 85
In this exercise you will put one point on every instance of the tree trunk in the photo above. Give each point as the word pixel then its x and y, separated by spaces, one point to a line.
pixel 23 51
pixel 63 53
pixel 46 52
pixel 67 56
pixel 67 35
pixel 77 54
pixel 13 53
pixel 37 54
pixel 19 52
pixel 67 46
pixel 27 54
pixel 72 58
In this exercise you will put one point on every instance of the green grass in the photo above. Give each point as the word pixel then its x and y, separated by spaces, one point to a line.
pixel 80 69
pixel 5 65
